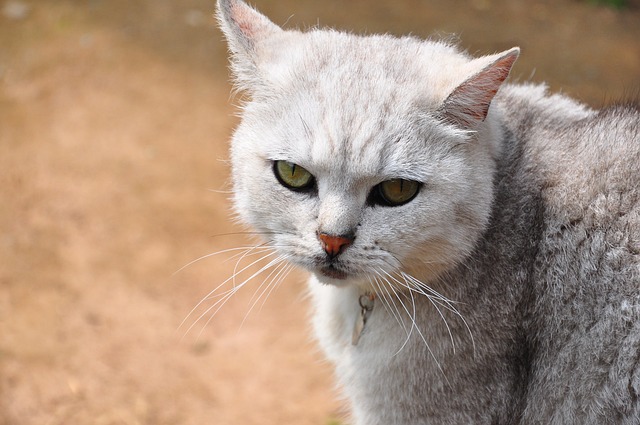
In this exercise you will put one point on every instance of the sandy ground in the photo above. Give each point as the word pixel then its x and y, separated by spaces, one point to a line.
pixel 114 120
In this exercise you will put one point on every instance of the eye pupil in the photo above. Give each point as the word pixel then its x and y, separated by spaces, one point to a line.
pixel 293 176
pixel 394 192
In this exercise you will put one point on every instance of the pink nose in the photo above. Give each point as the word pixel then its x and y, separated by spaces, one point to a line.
pixel 334 245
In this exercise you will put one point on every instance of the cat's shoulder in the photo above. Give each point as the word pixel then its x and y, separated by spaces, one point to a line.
pixel 561 131
pixel 533 108
pixel 583 161
pixel 534 102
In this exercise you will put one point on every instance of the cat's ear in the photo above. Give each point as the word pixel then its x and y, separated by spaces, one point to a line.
pixel 246 30
pixel 469 103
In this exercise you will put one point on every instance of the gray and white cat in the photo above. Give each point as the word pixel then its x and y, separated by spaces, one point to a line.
pixel 474 246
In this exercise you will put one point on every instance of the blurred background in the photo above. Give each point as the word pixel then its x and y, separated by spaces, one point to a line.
pixel 114 121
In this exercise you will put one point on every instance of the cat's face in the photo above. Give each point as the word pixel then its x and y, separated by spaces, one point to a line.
pixel 347 159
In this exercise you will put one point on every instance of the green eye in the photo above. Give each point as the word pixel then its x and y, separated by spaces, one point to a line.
pixel 293 176
pixel 397 192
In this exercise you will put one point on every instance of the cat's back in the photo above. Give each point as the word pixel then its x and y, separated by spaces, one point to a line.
pixel 583 167
pixel 584 163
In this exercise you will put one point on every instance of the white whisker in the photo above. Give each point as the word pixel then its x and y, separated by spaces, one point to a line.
pixel 211 293
pixel 412 318
pixel 235 289
pixel 212 254
pixel 426 344
pixel 284 272
pixel 444 319
pixel 243 256
pixel 269 282
pixel 393 310
pixel 437 298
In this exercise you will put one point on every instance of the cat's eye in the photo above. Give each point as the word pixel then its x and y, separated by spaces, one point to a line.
pixel 293 176
pixel 395 192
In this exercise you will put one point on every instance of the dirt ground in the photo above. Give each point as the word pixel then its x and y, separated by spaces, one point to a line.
pixel 114 121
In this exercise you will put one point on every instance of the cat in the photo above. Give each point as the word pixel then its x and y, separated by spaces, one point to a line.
pixel 473 245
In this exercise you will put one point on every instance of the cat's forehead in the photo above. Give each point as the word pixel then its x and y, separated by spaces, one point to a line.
pixel 362 104
pixel 341 141
pixel 373 68
pixel 355 106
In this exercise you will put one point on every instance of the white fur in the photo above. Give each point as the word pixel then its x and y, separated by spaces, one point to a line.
pixel 307 110
pixel 356 111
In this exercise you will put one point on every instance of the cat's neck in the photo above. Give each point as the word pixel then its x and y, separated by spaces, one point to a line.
pixel 513 232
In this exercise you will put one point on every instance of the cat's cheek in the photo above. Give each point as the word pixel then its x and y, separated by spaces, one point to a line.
pixel 277 210
pixel 413 233
pixel 257 195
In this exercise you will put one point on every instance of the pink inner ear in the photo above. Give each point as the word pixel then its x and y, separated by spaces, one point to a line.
pixel 469 103
pixel 248 21
pixel 243 19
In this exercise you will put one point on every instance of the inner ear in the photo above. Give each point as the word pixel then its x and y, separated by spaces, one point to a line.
pixel 243 25
pixel 469 103
pixel 245 29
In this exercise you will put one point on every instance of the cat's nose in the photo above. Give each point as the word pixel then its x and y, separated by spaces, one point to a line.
pixel 334 245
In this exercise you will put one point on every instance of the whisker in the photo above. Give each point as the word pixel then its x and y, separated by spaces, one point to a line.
pixel 235 272
pixel 251 233
pixel 212 254
pixel 444 319
pixel 284 272
pixel 268 283
pixel 417 328
pixel 412 318
pixel 427 290
pixel 413 324
pixel 210 294
pixel 440 299
pixel 393 311
pixel 256 251
pixel 264 281
pixel 428 346
pixel 232 292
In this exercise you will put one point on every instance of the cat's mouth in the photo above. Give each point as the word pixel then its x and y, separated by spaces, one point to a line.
pixel 333 273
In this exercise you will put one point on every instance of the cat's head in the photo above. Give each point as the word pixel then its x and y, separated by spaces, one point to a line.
pixel 361 157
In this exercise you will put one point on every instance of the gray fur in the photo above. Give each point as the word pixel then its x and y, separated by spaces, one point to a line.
pixel 552 292
pixel 529 222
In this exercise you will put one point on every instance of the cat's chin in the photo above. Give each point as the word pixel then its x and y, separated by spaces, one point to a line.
pixel 333 273
pixel 331 276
